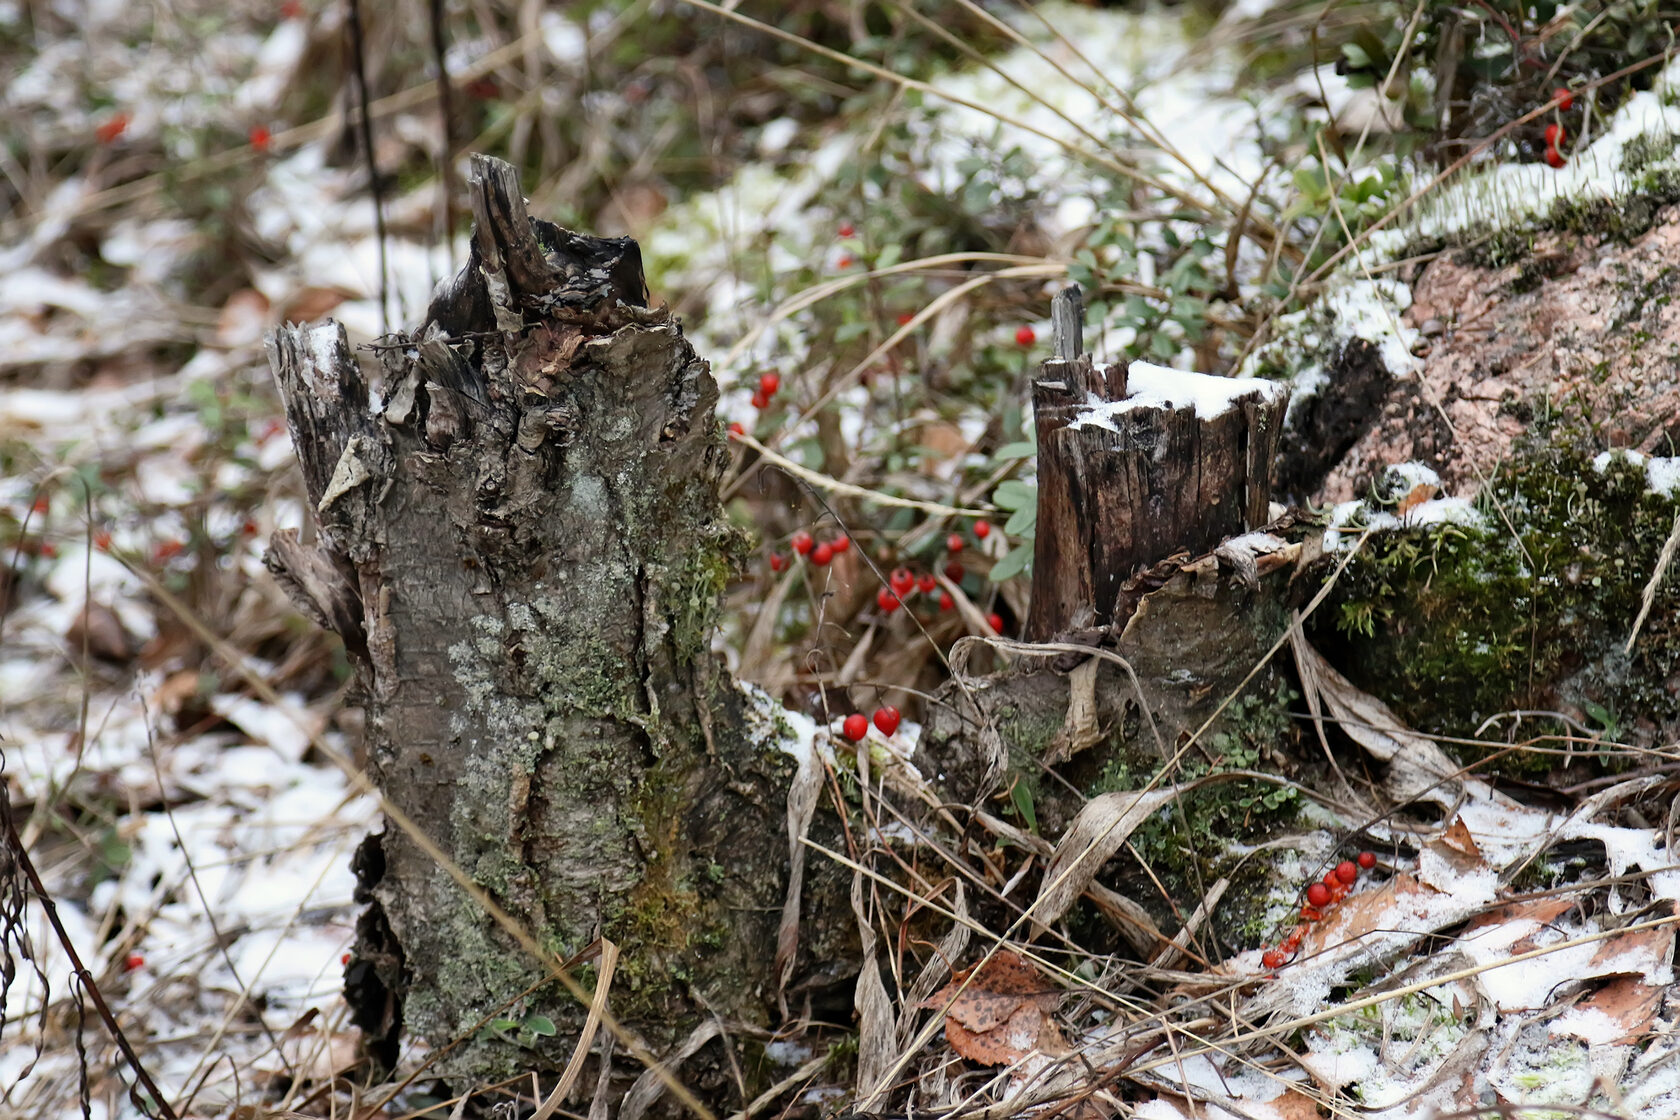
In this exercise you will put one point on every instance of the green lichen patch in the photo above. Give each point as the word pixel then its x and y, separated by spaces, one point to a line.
pixel 1456 624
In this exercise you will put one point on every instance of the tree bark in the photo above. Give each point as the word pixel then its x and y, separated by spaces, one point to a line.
pixel 522 546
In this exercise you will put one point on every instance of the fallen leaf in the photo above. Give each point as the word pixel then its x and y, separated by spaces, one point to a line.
pixel 99 631
pixel 1000 1012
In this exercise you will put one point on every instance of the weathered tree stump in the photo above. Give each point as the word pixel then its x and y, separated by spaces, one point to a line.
pixel 1136 463
pixel 524 551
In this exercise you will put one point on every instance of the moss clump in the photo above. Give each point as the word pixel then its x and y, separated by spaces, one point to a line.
pixel 1454 624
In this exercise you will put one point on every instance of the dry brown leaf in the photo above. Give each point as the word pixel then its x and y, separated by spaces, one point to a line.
pixel 1096 833
pixel 1419 494
pixel 1627 1001
pixel 98 629
pixel 1000 1012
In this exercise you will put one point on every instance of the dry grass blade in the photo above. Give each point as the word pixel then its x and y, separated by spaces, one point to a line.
pixel 586 1039
pixel 651 1085
pixel 1096 833
pixel 803 793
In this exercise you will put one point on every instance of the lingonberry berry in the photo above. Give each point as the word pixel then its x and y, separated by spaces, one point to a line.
pixel 1310 913
pixel 904 318
pixel 840 543
pixel 1555 157
pixel 1025 336
pixel 945 601
pixel 886 718
pixel 1273 958
pixel 995 621
pixel 1347 871
pixel 777 561
pixel 845 261
pixel 1318 895
pixel 1555 135
pixel 822 554
pixel 856 726
pixel 926 583
pixel 261 138
pixel 736 428
pixel 1564 98
pixel 134 961
pixel 982 529
pixel 760 400
pixel 802 543
pixel 954 571
pixel 847 230
pixel 954 543
pixel 902 580
pixel 768 383
pixel 1367 860
pixel 887 600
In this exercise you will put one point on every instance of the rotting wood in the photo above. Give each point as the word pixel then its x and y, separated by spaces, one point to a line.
pixel 1123 489
pixel 524 550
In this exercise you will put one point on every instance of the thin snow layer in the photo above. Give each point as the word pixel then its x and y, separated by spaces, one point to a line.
pixel 1510 194
pixel 1353 306
pixel 1662 474
pixel 1152 386
pixel 1352 519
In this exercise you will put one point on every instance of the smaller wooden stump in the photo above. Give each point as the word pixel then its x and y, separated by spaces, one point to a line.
pixel 1136 463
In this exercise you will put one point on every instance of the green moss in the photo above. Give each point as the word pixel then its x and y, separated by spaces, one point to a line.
pixel 1453 625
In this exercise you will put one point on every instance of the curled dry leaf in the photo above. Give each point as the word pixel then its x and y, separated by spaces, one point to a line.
pixel 1000 1013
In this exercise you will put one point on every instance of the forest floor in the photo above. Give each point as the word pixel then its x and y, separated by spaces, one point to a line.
pixel 180 747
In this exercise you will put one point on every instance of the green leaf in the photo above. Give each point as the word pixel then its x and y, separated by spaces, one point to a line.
pixel 1020 794
pixel 1014 562
pixel 1015 494
pixel 1020 449
pixel 502 1025
pixel 889 256
pixel 540 1025
pixel 1022 522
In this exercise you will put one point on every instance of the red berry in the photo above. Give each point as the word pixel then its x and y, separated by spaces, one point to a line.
pixel 345 959
pixel 982 529
pixel 1330 879
pixel 886 600
pixel 1025 336
pixel 133 961
pixel 1318 895
pixel 48 549
pixel 856 726
pixel 260 138
pixel 1311 913
pixel 768 383
pixel 847 230
pixel 1273 958
pixel 926 583
pixel 1565 99
pixel 886 718
pixel 1555 135
pixel 1293 941
pixel 845 261
pixel 954 543
pixel 904 318
pixel 735 429
pixel 1347 871
pixel 802 543
pixel 902 580
pixel 112 128
pixel 249 528
pixel 291 9
pixel 777 561
pixel 945 601
pixel 1367 860
pixel 822 554
pixel 102 541
pixel 166 550
pixel 995 621
pixel 954 571
pixel 841 543
pixel 1555 157
pixel 40 505
pixel 760 400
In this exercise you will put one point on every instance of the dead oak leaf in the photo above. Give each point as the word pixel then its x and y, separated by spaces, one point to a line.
pixel 1000 1012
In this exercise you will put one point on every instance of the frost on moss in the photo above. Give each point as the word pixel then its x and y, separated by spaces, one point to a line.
pixel 1457 624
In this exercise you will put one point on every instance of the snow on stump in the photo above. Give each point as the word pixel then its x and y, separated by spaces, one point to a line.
pixel 1136 463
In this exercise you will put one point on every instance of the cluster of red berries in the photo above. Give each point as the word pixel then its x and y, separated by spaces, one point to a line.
pixel 1556 134
pixel 817 552
pixel 768 383
pixel 1321 895
pixel 856 725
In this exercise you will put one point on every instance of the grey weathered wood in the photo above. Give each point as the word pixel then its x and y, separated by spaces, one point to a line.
pixel 524 549
pixel 1067 319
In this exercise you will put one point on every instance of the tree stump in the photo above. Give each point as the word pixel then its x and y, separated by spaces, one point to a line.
pixel 1137 463
pixel 523 548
